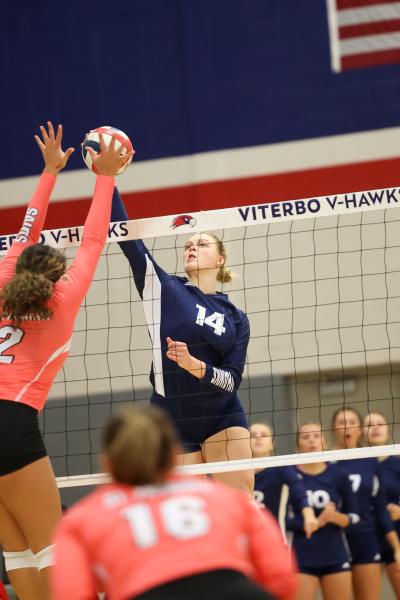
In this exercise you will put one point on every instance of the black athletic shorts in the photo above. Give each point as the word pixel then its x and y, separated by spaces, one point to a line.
pixel 222 584
pixel 21 441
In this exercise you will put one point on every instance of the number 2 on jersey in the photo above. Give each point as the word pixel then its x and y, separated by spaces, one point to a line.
pixel 11 338
pixel 182 518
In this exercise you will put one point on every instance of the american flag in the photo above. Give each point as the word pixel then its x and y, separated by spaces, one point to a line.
pixel 363 33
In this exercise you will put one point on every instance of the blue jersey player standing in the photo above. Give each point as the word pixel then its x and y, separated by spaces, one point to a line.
pixel 323 559
pixel 199 344
pixel 273 484
pixel 376 433
pixel 363 474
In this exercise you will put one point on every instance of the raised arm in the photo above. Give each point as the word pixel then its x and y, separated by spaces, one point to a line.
pixel 55 160
pixel 75 284
pixel 140 259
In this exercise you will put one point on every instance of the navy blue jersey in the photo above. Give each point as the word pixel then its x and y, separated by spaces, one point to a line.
pixel 214 330
pixel 327 545
pixel 363 473
pixel 389 474
pixel 268 488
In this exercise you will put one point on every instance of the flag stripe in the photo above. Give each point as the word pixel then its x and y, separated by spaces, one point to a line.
pixel 354 16
pixel 370 43
pixel 354 61
pixel 221 165
pixel 333 36
pixel 363 29
pixel 344 4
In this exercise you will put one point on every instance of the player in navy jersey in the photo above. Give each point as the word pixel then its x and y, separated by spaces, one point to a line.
pixel 376 433
pixel 362 538
pixel 199 342
pixel 272 485
pixel 324 558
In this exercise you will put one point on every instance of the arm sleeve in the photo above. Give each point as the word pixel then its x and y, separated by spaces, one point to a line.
pixel 227 377
pixel 275 571
pixel 135 251
pixel 297 489
pixel 32 226
pixel 379 503
pixel 294 522
pixel 79 276
pixel 72 573
pixel 349 504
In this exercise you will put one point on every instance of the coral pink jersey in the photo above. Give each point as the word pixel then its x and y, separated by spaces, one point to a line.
pixel 129 540
pixel 32 354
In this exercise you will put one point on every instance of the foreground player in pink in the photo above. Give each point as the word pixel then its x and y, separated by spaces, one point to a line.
pixel 39 301
pixel 154 534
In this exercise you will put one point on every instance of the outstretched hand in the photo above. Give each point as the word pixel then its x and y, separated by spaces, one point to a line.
pixel 109 160
pixel 54 156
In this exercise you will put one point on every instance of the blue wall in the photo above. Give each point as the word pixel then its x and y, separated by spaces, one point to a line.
pixel 180 76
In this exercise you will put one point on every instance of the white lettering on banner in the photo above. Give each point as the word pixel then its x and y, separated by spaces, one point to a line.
pixel 287 210
pixel 29 219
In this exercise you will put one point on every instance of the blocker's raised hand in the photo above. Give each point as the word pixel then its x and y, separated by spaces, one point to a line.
pixel 109 160
pixel 49 144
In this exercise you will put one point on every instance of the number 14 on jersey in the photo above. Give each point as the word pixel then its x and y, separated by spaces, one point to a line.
pixel 215 321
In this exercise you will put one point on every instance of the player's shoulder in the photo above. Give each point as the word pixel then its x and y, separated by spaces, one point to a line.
pixel 91 504
pixel 336 472
pixel 391 463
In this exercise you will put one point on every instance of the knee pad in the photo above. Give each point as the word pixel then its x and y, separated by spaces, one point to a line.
pixel 45 557
pixel 19 560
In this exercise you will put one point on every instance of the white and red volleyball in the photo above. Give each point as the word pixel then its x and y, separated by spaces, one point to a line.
pixel 92 140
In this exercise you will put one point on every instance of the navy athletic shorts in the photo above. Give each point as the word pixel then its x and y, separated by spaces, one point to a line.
pixel 364 548
pixel 386 550
pixel 21 441
pixel 326 569
pixel 195 424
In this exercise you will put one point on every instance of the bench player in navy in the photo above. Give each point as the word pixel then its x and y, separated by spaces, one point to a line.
pixel 273 484
pixel 376 433
pixel 323 559
pixel 363 473
pixel 199 341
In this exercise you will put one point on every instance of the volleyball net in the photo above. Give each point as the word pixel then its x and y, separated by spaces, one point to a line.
pixel 319 280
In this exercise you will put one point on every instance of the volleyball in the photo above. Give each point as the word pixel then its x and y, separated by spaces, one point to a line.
pixel 92 140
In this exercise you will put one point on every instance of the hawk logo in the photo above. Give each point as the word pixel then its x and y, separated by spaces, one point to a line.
pixel 183 220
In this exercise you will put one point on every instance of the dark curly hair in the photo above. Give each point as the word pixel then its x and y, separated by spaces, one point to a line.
pixel 38 268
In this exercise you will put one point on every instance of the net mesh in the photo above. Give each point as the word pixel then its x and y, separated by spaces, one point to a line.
pixel 322 295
